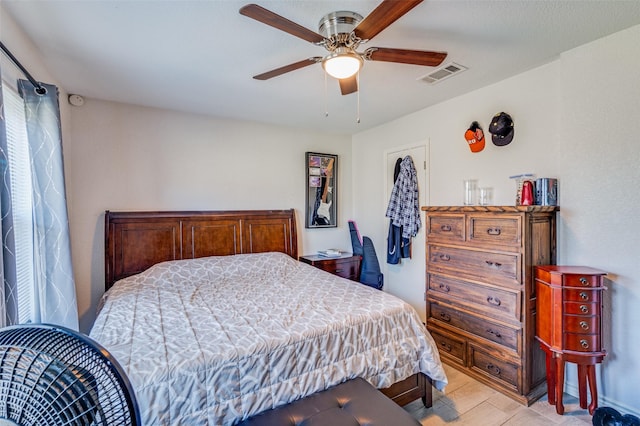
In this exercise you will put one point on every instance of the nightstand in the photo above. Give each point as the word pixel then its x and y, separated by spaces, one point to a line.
pixel 346 266
pixel 569 327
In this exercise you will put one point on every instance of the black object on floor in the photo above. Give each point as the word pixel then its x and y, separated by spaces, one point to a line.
pixel 607 416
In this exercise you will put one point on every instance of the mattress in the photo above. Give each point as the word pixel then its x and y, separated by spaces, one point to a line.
pixel 215 340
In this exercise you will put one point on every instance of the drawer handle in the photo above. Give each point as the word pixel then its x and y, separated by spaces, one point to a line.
pixel 493 301
pixel 496 264
pixel 493 231
pixel 445 257
pixel 337 271
pixel 584 309
pixel 584 325
pixel 445 317
pixel 445 346
pixel 493 369
pixel 444 288
pixel 584 296
pixel 584 281
pixel 495 333
pixel 445 228
pixel 584 344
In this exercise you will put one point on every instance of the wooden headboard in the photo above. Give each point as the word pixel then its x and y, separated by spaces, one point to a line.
pixel 134 241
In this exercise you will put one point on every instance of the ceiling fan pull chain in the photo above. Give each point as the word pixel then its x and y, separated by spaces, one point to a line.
pixel 358 94
pixel 326 101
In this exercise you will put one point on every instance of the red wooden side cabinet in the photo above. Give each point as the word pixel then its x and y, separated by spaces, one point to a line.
pixel 569 327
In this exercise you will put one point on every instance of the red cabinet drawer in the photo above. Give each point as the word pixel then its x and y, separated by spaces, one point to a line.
pixel 582 324
pixel 582 295
pixel 577 308
pixel 582 342
pixel 582 280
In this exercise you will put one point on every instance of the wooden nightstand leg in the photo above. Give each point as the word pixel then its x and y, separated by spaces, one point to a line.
pixel 591 372
pixel 559 384
pixel 551 378
pixel 582 385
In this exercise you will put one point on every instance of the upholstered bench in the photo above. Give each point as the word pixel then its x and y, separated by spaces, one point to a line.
pixel 351 403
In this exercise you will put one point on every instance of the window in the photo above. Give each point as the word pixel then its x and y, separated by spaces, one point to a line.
pixel 21 199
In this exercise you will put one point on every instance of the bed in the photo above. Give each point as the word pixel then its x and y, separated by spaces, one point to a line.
pixel 215 320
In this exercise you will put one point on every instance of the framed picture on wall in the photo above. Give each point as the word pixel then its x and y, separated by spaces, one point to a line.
pixel 322 192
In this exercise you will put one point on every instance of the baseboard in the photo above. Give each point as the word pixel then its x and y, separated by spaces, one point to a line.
pixel 572 390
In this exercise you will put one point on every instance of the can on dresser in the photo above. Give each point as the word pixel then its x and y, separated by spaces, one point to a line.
pixel 546 192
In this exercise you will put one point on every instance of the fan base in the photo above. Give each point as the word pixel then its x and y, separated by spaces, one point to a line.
pixel 341 22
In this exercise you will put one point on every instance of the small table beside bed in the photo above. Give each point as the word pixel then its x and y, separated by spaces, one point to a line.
pixel 215 320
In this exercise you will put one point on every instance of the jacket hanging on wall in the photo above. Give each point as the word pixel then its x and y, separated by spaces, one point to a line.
pixel 404 212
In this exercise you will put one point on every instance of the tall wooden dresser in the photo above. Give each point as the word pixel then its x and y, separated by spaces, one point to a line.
pixel 480 291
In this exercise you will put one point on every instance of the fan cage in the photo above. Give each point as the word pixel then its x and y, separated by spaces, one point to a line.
pixel 52 375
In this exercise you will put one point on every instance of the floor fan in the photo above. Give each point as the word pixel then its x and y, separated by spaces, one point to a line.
pixel 51 375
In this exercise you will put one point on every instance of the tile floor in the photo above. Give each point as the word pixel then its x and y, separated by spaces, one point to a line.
pixel 469 402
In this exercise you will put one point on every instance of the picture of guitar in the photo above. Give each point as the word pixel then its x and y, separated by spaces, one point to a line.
pixel 324 194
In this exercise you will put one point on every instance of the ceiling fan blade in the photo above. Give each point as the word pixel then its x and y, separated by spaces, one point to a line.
pixel 287 68
pixel 265 16
pixel 349 85
pixel 382 16
pixel 405 56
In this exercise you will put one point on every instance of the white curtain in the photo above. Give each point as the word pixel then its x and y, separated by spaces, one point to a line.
pixel 51 294
pixel 3 173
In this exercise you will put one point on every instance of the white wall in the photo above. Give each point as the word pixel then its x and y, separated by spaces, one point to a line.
pixel 25 51
pixel 575 119
pixel 125 157
pixel 600 148
pixel 442 128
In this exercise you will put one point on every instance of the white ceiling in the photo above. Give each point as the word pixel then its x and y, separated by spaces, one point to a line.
pixel 200 56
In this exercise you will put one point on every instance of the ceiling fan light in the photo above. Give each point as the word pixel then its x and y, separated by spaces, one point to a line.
pixel 342 65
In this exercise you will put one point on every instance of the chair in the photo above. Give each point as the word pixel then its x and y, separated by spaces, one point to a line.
pixel 369 268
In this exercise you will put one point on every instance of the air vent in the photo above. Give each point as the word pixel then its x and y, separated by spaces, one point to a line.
pixel 443 72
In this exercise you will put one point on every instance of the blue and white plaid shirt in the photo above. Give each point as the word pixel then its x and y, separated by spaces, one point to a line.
pixel 404 206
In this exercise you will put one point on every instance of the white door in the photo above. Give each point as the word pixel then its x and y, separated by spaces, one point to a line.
pixel 406 279
pixel 419 156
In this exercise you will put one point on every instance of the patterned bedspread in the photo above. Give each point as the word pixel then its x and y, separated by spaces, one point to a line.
pixel 215 340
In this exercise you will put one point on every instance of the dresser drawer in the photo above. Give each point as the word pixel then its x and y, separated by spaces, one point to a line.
pixel 582 280
pixel 582 342
pixel 493 367
pixel 576 308
pixel 581 295
pixel 448 227
pixel 479 326
pixel 493 301
pixel 345 268
pixel 450 347
pixel 502 231
pixel 581 324
pixel 495 268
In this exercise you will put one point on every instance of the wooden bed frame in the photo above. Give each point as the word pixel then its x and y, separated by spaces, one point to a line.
pixel 134 241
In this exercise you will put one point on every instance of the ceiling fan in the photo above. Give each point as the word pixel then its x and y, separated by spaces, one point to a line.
pixel 341 33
